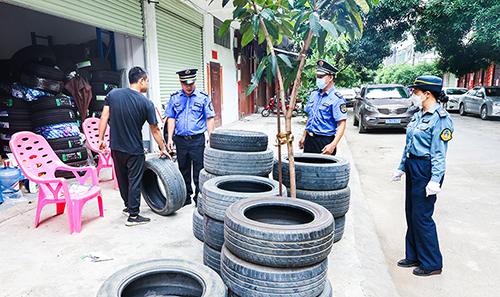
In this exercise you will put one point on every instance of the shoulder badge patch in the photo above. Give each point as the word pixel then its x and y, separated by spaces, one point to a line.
pixel 204 93
pixel 173 94
pixel 211 106
pixel 442 112
pixel 343 108
pixel 339 94
pixel 446 135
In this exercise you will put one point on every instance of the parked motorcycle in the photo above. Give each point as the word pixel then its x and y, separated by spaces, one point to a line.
pixel 272 107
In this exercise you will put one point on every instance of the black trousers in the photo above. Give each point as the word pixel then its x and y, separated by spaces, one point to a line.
pixel 129 170
pixel 190 151
pixel 315 144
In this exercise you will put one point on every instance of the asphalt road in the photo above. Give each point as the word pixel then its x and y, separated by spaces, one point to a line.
pixel 467 212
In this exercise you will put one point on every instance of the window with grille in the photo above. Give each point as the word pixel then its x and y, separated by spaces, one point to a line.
pixel 225 40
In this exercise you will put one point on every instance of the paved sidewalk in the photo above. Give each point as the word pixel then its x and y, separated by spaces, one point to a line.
pixel 47 261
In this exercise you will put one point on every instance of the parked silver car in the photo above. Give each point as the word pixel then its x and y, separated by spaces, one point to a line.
pixel 454 95
pixel 484 101
pixel 349 95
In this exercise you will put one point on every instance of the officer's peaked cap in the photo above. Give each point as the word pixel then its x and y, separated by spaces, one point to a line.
pixel 428 83
pixel 187 76
pixel 325 68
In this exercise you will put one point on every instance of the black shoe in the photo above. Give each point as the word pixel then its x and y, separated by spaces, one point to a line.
pixel 187 202
pixel 126 211
pixel 138 220
pixel 419 271
pixel 408 263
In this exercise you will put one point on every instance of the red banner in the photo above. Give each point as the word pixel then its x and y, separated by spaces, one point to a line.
pixel 471 81
pixel 490 75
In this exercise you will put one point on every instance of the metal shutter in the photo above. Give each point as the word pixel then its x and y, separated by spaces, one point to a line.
pixel 122 16
pixel 180 45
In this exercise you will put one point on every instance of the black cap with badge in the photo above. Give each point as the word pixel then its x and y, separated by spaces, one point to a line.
pixel 187 76
pixel 324 68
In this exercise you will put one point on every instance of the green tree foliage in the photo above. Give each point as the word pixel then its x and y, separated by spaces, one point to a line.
pixel 465 33
pixel 405 74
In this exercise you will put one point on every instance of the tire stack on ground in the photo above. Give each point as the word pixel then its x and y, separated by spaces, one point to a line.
pixel 102 80
pixel 277 246
pixel 234 167
pixel 322 179
pixel 14 117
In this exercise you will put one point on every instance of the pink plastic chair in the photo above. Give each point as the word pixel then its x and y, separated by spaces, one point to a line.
pixel 39 163
pixel 91 131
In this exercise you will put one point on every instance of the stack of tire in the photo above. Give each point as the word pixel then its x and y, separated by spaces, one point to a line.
pixel 277 246
pixel 55 119
pixel 102 80
pixel 14 117
pixel 239 153
pixel 322 179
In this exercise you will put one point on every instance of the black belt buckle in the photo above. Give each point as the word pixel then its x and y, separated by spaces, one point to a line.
pixel 188 137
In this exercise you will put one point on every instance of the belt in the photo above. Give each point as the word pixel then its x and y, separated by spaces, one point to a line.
pixel 318 135
pixel 412 156
pixel 189 137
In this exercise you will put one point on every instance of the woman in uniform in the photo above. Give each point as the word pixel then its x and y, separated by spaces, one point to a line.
pixel 423 162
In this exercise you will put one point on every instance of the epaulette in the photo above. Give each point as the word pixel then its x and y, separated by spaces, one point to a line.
pixel 175 93
pixel 339 94
pixel 201 92
pixel 442 112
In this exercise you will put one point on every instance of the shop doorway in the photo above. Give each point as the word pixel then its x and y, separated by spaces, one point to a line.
pixel 215 91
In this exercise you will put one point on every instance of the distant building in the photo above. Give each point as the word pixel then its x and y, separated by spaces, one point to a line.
pixel 404 52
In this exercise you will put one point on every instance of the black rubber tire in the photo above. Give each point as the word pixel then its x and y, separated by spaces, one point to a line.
pixel 42 84
pixel 69 174
pixel 94 64
pixel 13 102
pixel 355 121
pixel 106 76
pixel 100 88
pixel 483 113
pixel 53 116
pixel 238 140
pixel 171 277
pixel 15 126
pixel 315 172
pixel 198 225
pixel 95 114
pixel 211 258
pixel 220 192
pixel 51 102
pixel 65 143
pixel 72 155
pixel 339 228
pixel 336 201
pixel 34 53
pixel 361 128
pixel 279 232
pixel 204 176
pixel 43 71
pixel 13 114
pixel 247 279
pixel 461 109
pixel 167 201
pixel 96 104
pixel 221 162
pixel 214 232
pixel 265 112
pixel 327 291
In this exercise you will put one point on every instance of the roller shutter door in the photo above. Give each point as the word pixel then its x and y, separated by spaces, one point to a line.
pixel 180 44
pixel 122 16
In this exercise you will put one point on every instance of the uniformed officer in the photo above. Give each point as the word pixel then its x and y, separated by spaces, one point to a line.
pixel 327 114
pixel 423 162
pixel 189 113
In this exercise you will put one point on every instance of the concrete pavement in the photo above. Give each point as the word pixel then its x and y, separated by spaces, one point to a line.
pixel 48 260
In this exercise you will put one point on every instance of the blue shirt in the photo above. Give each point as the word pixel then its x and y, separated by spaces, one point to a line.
pixel 428 135
pixel 190 112
pixel 128 111
pixel 325 111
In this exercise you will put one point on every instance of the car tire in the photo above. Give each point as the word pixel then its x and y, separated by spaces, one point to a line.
pixel 484 113
pixel 243 278
pixel 214 232
pixel 51 102
pixel 106 76
pixel 361 128
pixel 355 121
pixel 101 88
pixel 69 174
pixel 204 177
pixel 65 143
pixel 72 155
pixel 8 101
pixel 198 225
pixel 43 71
pixel 211 258
pixel 238 140
pixel 220 192
pixel 461 109
pixel 221 162
pixel 96 104
pixel 172 197
pixel 336 201
pixel 339 229
pixel 53 116
pixel 315 172
pixel 170 277
pixel 43 84
pixel 279 232
pixel 31 54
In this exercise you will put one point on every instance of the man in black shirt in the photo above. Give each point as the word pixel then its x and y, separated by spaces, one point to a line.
pixel 127 110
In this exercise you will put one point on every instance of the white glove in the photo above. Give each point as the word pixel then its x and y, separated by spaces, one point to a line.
pixel 396 176
pixel 432 188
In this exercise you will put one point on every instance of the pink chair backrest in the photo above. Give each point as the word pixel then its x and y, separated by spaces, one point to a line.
pixel 34 155
pixel 91 131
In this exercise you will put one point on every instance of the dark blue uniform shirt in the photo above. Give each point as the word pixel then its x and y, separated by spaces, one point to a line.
pixel 325 111
pixel 190 113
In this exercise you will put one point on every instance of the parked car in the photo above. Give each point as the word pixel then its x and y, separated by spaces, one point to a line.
pixel 383 106
pixel 454 95
pixel 484 101
pixel 349 95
